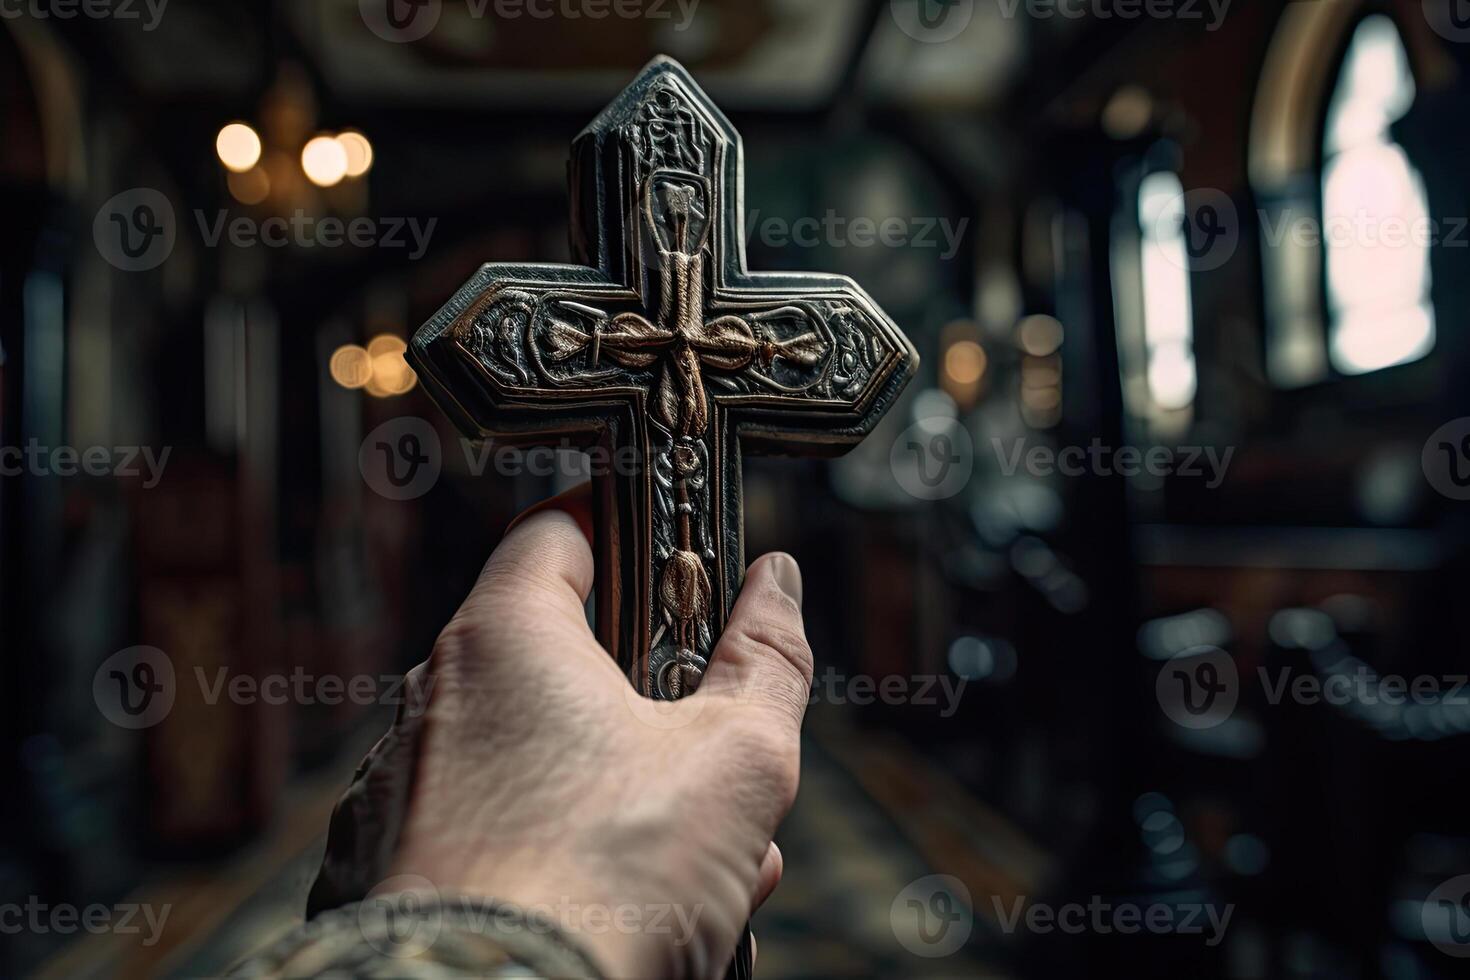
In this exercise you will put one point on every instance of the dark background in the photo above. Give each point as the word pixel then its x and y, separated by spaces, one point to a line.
pixel 1073 606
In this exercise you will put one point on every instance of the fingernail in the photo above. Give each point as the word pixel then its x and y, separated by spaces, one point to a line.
pixel 788 576
pixel 573 502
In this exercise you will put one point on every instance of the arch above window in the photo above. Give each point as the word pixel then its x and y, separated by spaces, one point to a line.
pixel 1296 81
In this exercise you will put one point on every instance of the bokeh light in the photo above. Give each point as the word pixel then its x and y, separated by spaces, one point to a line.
pixel 250 186
pixel 351 366
pixel 965 362
pixel 391 374
pixel 359 152
pixel 238 147
pixel 324 161
pixel 1040 335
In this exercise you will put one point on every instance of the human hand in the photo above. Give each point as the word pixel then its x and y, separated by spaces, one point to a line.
pixel 542 779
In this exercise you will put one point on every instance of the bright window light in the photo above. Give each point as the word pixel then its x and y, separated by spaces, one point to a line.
pixel 1375 212
pixel 1168 316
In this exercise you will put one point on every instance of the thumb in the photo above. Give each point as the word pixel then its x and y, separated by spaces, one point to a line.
pixel 531 595
pixel 763 658
pixel 545 557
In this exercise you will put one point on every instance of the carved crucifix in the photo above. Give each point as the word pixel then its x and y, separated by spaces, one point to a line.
pixel 662 349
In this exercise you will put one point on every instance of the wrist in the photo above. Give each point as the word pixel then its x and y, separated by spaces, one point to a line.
pixel 625 904
pixel 421 933
pixel 623 937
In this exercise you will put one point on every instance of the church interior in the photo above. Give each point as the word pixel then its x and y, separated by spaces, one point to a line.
pixel 1132 651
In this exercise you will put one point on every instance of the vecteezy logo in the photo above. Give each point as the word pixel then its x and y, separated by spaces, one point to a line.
pixel 1206 230
pixel 400 21
pixel 1446 917
pixel 1446 459
pixel 941 448
pixel 401 458
pixel 933 458
pixel 401 917
pixel 1207 676
pixel 134 688
pixel 1450 19
pixel 932 917
pixel 942 905
pixel 1454 454
pixel 1459 918
pixel 1208 223
pixel 135 230
pixel 932 21
pixel 1199 687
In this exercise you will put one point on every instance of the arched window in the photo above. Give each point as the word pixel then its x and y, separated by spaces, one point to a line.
pixel 1376 230
pixel 1343 213
pixel 1168 309
pixel 1152 299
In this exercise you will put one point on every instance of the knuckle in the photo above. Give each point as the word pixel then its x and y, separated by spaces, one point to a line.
pixel 457 637
pixel 785 642
pixel 460 649
pixel 774 597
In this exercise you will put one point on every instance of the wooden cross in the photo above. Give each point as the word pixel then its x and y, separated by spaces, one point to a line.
pixel 662 348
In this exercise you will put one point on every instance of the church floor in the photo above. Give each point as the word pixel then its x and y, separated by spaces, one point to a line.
pixel 871 819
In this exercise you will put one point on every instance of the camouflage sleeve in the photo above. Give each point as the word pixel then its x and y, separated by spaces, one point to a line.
pixel 410 934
